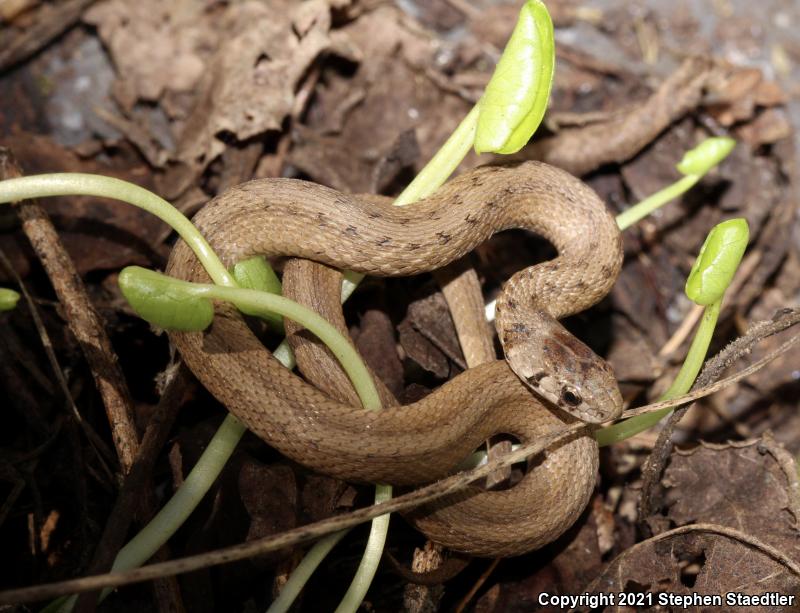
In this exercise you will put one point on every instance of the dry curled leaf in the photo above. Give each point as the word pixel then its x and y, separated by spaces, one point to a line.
pixel 700 562
pixel 748 486
pixel 156 46
pixel 354 123
pixel 249 86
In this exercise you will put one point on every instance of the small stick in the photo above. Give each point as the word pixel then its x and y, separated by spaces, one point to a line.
pixel 83 320
pixel 478 584
pixel 415 498
pixel 51 21
pixel 104 454
pixel 133 489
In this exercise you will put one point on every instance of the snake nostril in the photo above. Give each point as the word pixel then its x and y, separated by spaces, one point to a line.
pixel 570 396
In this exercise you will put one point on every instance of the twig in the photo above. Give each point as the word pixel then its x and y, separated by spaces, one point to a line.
pixel 713 369
pixel 715 387
pixel 97 444
pixel 83 320
pixel 683 331
pixel 341 522
pixel 289 538
pixel 51 22
pixel 766 549
pixel 130 495
pixel 462 604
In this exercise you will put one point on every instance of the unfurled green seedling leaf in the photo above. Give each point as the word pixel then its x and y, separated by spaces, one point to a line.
pixel 516 97
pixel 717 262
pixel 711 275
pixel 165 302
pixel 256 273
pixel 694 165
pixel 706 155
pixel 8 299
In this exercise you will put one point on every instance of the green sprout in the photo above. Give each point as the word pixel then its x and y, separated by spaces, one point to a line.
pixel 516 97
pixel 710 276
pixel 8 299
pixel 81 184
pixel 511 108
pixel 256 273
pixel 502 121
pixel 141 287
pixel 694 166
pixel 219 449
pixel 518 123
pixel 505 118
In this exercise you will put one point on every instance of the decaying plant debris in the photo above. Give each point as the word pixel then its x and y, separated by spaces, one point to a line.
pixel 191 98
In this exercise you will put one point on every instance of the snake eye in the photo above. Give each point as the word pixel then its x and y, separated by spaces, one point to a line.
pixel 570 396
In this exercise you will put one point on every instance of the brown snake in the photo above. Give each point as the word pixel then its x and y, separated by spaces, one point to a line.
pixel 424 441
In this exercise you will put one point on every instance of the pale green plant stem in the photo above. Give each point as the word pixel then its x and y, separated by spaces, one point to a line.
pixel 302 573
pixel 80 184
pixel 224 441
pixel 681 385
pixel 220 448
pixel 432 177
pixel 372 555
pixel 641 210
pixel 443 163
pixel 340 347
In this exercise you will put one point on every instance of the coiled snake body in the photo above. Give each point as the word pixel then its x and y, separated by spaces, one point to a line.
pixel 421 442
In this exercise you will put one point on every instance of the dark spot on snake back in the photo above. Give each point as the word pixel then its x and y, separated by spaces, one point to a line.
pixel 443 237
pixel 351 231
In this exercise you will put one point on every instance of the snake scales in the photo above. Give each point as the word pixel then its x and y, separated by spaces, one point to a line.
pixel 424 441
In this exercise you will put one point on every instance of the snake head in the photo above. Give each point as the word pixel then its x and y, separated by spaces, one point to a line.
pixel 565 372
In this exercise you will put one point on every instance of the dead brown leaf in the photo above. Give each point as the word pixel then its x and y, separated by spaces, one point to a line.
pixel 220 72
pixel 420 350
pixel 431 317
pixel 156 46
pixel 249 85
pixel 98 233
pixel 374 339
pixel 750 487
pixel 355 122
pixel 768 127
pixel 747 486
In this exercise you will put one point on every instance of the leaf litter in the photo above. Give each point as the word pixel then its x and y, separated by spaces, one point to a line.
pixel 358 95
